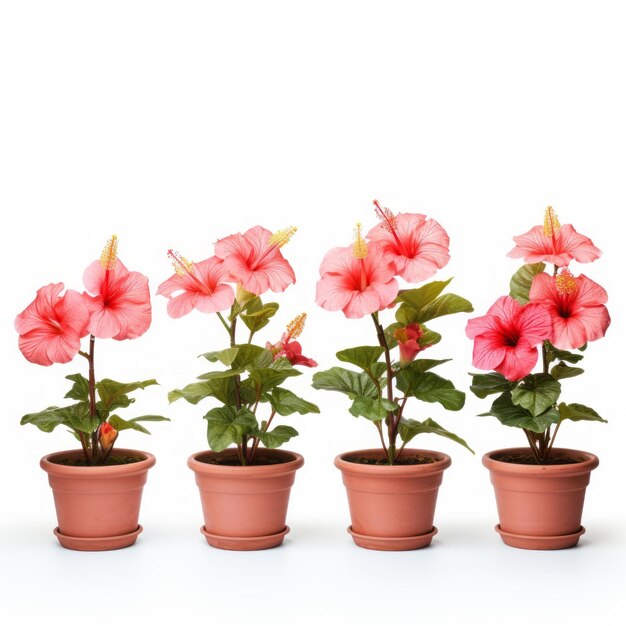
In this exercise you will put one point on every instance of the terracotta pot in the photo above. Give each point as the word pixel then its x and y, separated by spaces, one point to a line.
pixel 540 506
pixel 97 507
pixel 245 507
pixel 392 507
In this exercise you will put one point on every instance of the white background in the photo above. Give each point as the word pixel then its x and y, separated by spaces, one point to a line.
pixel 172 124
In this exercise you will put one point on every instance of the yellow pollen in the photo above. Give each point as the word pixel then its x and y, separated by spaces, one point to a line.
pixel 359 247
pixel 296 326
pixel 109 254
pixel 551 224
pixel 386 217
pixel 181 265
pixel 281 237
pixel 566 283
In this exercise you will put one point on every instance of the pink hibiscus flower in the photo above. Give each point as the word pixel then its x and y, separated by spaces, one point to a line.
pixel 418 245
pixel 357 279
pixel 505 340
pixel 408 342
pixel 290 349
pixel 254 259
pixel 576 306
pixel 554 244
pixel 52 325
pixel 120 305
pixel 196 285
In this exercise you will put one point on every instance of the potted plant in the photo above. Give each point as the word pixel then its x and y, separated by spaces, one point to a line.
pixel 392 490
pixel 244 480
pixel 97 490
pixel 540 489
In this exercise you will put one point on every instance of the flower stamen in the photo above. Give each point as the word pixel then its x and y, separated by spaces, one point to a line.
pixel 566 283
pixel 181 265
pixel 109 254
pixel 551 224
pixel 282 237
pixel 359 247
pixel 386 217
pixel 296 326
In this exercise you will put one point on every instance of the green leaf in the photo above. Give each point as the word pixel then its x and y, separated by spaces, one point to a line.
pixel 486 384
pixel 430 387
pixel 221 374
pixel 113 394
pixel 363 356
pixel 80 388
pixel 374 409
pixel 423 365
pixel 353 384
pixel 392 342
pixel 536 393
pixel 578 412
pixel 225 425
pixel 79 418
pixel 250 356
pixel 266 378
pixel 448 304
pixel 276 437
pixel 48 419
pixel 554 354
pixel 223 356
pixel 561 371
pixel 258 315
pixel 121 424
pixel 195 392
pixel 514 415
pixel 414 300
pixel 285 402
pixel 519 287
pixel 409 428
pixel 429 337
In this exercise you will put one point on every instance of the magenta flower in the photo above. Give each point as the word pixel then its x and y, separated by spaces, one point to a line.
pixel 120 304
pixel 196 285
pixel 554 244
pixel 52 325
pixel 357 279
pixel 417 245
pixel 505 340
pixel 254 259
pixel 575 305
pixel 408 342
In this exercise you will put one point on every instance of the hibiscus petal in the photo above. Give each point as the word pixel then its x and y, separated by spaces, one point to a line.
pixel 518 360
pixel 481 325
pixel 535 323
pixel 489 351
pixel 220 300
pixel 589 293
pixel 576 245
pixel 333 292
pixel 40 309
pixel 181 305
pixel 363 303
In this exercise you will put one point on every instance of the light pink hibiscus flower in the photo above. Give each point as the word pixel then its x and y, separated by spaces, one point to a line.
pixel 196 285
pixel 254 259
pixel 576 306
pixel 418 245
pixel 52 325
pixel 357 279
pixel 120 304
pixel 505 340
pixel 554 244
pixel 289 348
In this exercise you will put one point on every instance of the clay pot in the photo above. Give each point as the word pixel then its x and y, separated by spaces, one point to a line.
pixel 392 507
pixel 97 506
pixel 540 506
pixel 245 507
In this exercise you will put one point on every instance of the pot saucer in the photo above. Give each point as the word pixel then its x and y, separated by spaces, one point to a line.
pixel 529 542
pixel 393 543
pixel 97 543
pixel 245 543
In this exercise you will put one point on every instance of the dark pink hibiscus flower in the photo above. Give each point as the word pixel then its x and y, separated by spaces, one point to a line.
pixel 408 342
pixel 255 261
pixel 576 306
pixel 290 349
pixel 196 285
pixel 52 325
pixel 554 244
pixel 505 340
pixel 418 245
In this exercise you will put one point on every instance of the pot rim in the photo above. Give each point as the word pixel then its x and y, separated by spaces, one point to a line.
pixel 590 463
pixel 443 462
pixel 252 471
pixel 97 470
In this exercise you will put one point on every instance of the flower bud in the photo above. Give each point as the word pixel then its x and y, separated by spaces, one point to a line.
pixel 408 342
pixel 108 435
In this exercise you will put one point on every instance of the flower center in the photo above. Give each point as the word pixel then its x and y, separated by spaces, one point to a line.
pixel 566 283
pixel 109 254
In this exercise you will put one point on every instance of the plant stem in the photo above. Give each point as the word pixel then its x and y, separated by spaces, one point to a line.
pixel 556 430
pixel 257 440
pixel 224 324
pixel 379 428
pixel 533 446
pixel 92 399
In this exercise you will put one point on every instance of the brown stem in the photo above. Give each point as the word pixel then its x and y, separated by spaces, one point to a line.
pixel 379 428
pixel 257 440
pixel 533 446
pixel 556 430
pixel 92 399
pixel 107 453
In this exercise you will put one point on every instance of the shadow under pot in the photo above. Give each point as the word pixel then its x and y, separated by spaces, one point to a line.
pixel 392 507
pixel 245 507
pixel 97 506
pixel 540 506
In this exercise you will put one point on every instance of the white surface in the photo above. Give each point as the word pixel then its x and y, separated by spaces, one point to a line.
pixel 173 124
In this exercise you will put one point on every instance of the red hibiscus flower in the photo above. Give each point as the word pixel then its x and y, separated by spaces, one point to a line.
pixel 120 305
pixel 290 349
pixel 196 285
pixel 52 325
pixel 108 435
pixel 417 245
pixel 357 279
pixel 254 259
pixel 408 342
pixel 576 306
pixel 554 244
pixel 505 340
